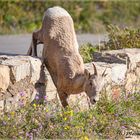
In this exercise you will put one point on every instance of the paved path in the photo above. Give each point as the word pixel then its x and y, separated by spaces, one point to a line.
pixel 19 44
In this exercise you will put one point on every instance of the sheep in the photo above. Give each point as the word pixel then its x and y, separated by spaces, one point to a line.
pixel 61 56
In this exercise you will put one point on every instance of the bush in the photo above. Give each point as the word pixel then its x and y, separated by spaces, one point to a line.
pixel 122 38
pixel 89 16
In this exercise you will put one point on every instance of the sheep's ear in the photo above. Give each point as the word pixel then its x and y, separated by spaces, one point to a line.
pixel 87 74
pixel 95 70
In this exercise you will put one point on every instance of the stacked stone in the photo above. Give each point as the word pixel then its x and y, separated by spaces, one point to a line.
pixel 20 78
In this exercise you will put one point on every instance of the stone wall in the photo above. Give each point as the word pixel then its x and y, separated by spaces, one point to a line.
pixel 18 74
pixel 21 78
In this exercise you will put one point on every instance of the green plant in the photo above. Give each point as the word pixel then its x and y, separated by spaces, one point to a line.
pixel 122 38
pixel 89 16
pixel 108 119
pixel 86 52
pixel 117 39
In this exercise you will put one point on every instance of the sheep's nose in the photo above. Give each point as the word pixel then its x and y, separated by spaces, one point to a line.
pixel 93 101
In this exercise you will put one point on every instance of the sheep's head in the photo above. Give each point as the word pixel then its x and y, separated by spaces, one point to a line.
pixel 93 84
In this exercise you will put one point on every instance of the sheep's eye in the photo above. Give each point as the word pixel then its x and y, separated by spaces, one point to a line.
pixel 90 84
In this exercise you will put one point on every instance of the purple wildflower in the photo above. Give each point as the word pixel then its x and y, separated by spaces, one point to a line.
pixel 30 135
pixel 130 93
pixel 37 97
pixel 27 134
pixel 22 93
pixel 45 97
pixel 4 123
pixel 116 115
pixel 21 104
pixel 123 127
pixel 40 126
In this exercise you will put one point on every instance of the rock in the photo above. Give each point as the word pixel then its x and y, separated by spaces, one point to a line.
pixel 4 77
pixel 35 69
pixel 114 72
pixel 131 82
pixel 20 70
pixel 1 105
pixel 50 86
pixel 19 67
pixel 22 78
pixel 124 72
pixel 18 75
pixel 10 104
pixel 118 76
pixel 80 101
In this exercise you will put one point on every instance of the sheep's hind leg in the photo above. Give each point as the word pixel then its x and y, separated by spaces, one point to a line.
pixel 33 46
pixel 63 98
pixel 36 39
pixel 30 49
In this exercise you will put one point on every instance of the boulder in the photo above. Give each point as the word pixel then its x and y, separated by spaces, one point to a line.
pixel 4 77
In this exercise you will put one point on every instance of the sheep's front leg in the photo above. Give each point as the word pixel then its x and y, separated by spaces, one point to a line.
pixel 63 98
